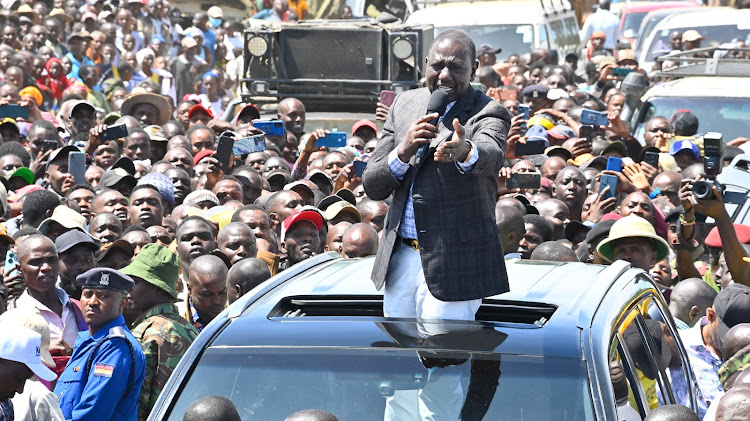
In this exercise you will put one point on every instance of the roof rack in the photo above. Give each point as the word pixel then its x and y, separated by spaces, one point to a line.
pixel 528 313
pixel 715 61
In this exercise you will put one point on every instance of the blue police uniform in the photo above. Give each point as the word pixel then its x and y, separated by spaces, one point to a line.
pixel 103 379
pixel 108 391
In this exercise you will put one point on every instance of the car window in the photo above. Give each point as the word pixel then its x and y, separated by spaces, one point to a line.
pixel 513 38
pixel 659 44
pixel 269 383
pixel 629 395
pixel 730 116
pixel 543 38
pixel 678 369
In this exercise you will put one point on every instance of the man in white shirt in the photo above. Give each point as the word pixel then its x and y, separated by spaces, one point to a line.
pixel 605 21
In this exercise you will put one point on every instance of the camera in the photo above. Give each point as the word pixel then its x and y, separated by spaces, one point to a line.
pixel 713 161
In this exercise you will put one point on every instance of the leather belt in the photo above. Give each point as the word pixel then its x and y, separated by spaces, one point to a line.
pixel 410 242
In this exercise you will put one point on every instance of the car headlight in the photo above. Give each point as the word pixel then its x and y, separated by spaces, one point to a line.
pixel 257 46
pixel 402 48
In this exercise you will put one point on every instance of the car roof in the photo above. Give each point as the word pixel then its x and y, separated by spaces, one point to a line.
pixel 706 87
pixel 573 290
pixel 496 12
pixel 706 16
pixel 656 5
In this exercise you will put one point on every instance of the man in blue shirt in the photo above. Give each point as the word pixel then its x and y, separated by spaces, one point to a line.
pixel 76 53
pixel 103 378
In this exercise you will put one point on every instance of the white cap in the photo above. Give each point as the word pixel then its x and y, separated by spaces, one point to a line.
pixel 23 345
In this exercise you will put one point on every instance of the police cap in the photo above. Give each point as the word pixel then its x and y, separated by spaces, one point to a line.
pixel 105 278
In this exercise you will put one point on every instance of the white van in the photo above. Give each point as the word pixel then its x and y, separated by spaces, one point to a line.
pixel 516 26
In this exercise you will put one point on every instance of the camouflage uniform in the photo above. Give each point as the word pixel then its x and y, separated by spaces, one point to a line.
pixel 733 365
pixel 164 336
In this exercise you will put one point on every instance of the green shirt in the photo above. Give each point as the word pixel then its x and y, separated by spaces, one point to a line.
pixel 164 336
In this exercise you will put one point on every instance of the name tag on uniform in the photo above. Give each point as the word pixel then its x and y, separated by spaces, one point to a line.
pixel 103 370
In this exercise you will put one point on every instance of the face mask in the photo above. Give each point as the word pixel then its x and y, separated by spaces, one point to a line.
pixel 214 22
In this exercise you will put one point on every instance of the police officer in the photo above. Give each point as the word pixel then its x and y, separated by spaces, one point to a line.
pixel 103 378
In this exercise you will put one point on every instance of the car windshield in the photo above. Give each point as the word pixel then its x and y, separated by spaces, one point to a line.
pixel 517 39
pixel 730 116
pixel 354 384
pixel 719 33
pixel 632 23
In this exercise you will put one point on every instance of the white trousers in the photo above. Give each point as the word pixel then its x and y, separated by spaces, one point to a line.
pixel 407 296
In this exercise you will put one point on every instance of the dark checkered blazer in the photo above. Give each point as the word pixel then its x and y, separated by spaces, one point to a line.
pixel 454 211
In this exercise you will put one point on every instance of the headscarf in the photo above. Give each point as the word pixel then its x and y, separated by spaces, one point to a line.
pixel 32 92
pixel 142 54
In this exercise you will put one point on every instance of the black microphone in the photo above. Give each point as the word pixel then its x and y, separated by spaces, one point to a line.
pixel 439 101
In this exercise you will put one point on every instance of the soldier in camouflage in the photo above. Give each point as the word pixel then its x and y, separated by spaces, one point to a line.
pixel 157 324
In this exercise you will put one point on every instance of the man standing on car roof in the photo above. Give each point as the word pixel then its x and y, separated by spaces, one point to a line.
pixel 447 198
pixel 103 378
pixel 605 21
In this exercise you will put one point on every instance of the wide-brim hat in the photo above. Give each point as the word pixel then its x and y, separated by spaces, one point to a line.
pixel 156 265
pixel 82 35
pixel 632 226
pixel 158 101
pixel 60 15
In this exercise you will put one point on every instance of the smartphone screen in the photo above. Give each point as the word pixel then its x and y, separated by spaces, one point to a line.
pixel 224 152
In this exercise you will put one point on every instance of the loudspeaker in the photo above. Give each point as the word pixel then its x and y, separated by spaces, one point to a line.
pixel 331 53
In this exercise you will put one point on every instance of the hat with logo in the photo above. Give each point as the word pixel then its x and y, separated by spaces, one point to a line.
pixel 24 345
pixel 156 265
pixel 684 145
pixel 536 91
pixel 105 278
pixel 305 215
pixel 122 245
pixel 72 238
pixel 632 226
pixel 66 217
pixel 732 305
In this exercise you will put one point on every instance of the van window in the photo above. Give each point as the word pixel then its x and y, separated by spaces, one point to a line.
pixel 517 39
pixel 543 39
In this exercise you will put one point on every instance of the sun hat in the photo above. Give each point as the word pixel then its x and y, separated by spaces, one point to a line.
pixel 632 226
pixel 156 265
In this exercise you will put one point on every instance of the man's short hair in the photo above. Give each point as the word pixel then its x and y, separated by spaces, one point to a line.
pixel 672 413
pixel 251 207
pixel 552 251
pixel 199 126
pixel 17 149
pixel 37 204
pixel 134 228
pixel 79 187
pixel 457 35
pixel 541 223
pixel 197 218
pixel 212 408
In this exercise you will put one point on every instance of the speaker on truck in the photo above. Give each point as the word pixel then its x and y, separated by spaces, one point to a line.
pixel 331 53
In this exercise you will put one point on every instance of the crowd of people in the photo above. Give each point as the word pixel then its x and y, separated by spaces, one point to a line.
pixel 111 273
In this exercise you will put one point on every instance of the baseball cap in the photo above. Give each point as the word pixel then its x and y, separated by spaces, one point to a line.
pixel 72 238
pixel 114 176
pixel 24 173
pixel 156 133
pixel 156 265
pixel 188 42
pixel 215 12
pixel 66 217
pixel 80 104
pixel 541 120
pixel 199 107
pixel 691 35
pixel 617 146
pixel 61 153
pixel 604 62
pixel 558 151
pixel 23 345
pixel 537 132
pixel 681 145
pixel 488 49
pixel 561 132
pixel 117 244
pixel 599 230
pixel 364 123
pixel 573 228
pixel 32 319
pixel 626 54
pixel 88 15
pixel 299 185
pixel 732 305
pixel 305 215
pixel 335 209
pixel 4 234
pixel 556 93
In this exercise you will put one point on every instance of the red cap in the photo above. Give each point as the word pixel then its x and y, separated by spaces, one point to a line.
pixel 200 107
pixel 247 109
pixel 743 234
pixel 200 155
pixel 305 215
pixel 364 123
pixel 611 215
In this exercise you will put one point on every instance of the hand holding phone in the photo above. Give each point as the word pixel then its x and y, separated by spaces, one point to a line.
pixel 77 166
pixel 224 152
pixel 608 180
pixel 387 98
pixel 114 132
pixel 359 167
pixel 332 140
pixel 594 118
pixel 614 164
pixel 524 180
